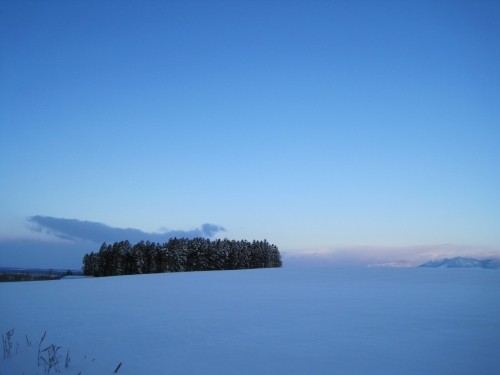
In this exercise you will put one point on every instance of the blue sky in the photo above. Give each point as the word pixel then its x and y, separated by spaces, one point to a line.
pixel 321 126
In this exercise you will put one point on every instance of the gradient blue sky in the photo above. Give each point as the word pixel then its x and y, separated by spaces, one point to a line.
pixel 318 125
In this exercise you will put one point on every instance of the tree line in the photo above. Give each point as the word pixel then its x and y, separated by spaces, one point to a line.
pixel 178 255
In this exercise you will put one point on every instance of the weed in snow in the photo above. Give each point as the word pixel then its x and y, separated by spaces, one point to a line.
pixel 118 367
pixel 67 360
pixel 48 356
pixel 7 343
pixel 40 346
pixel 51 358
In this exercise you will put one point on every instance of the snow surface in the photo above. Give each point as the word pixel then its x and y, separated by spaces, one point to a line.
pixel 272 321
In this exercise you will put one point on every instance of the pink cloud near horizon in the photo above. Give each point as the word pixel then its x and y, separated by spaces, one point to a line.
pixel 374 256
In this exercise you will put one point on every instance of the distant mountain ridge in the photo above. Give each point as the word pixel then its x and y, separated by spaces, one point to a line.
pixel 463 262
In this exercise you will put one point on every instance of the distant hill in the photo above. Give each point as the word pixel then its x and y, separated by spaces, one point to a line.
pixel 40 271
pixel 463 262
pixel 34 274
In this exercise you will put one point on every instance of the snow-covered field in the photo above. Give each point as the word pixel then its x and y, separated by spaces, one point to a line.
pixel 272 321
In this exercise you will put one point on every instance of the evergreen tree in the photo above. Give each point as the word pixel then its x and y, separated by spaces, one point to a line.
pixel 180 254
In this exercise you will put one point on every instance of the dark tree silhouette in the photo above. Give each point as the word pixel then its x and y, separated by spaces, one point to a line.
pixel 180 254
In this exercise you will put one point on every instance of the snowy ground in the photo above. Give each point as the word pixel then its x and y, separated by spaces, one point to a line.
pixel 273 321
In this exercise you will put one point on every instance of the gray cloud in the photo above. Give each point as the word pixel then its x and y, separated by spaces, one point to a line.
pixel 78 230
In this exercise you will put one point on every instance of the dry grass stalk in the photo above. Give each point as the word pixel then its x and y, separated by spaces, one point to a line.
pixel 7 343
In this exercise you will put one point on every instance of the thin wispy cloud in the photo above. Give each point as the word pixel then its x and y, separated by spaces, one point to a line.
pixel 80 230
